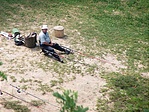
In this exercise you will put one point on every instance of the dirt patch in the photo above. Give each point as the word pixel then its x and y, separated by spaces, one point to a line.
pixel 88 90
pixel 28 69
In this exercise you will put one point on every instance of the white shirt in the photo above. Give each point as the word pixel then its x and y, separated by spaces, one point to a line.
pixel 44 37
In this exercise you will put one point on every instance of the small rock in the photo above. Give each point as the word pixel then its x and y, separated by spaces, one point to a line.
pixel 145 75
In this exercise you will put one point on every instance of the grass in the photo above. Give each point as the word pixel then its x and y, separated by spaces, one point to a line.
pixel 36 103
pixel 44 88
pixel 130 92
pixel 95 27
pixel 13 78
pixel 15 105
pixel 25 81
pixel 2 74
pixel 1 63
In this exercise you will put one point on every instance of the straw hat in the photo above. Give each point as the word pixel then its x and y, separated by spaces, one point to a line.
pixel 44 27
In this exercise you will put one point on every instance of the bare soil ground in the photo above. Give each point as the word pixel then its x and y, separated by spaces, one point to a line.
pixel 28 69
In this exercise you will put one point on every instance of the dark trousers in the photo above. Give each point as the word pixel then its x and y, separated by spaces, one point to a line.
pixel 51 48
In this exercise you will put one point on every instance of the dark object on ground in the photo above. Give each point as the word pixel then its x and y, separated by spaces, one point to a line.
pixel 30 40
pixel 68 50
pixel 53 55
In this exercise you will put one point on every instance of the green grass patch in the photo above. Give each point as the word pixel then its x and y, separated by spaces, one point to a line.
pixel 37 103
pixel 44 88
pixel 2 74
pixel 15 105
pixel 130 92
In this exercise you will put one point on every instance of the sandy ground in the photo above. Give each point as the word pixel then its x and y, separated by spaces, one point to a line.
pixel 19 62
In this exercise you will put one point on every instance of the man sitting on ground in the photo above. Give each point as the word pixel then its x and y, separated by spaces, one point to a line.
pixel 46 43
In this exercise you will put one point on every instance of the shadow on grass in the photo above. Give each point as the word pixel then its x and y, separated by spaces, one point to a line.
pixel 64 37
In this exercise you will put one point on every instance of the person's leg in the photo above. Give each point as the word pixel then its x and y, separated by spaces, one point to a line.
pixel 51 52
pixel 58 47
pixel 47 48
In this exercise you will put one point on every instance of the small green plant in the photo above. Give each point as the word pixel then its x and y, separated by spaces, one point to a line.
pixel 44 88
pixel 25 81
pixel 13 78
pixel 37 81
pixel 24 87
pixel 36 103
pixel 53 83
pixel 1 63
pixel 60 80
pixel 3 76
pixel 68 101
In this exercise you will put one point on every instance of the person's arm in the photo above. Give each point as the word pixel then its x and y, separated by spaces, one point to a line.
pixel 51 42
pixel 48 44
pixel 43 41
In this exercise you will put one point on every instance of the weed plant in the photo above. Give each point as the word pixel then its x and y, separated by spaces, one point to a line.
pixel 3 76
pixel 13 78
pixel 68 101
pixel 36 103
pixel 44 88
